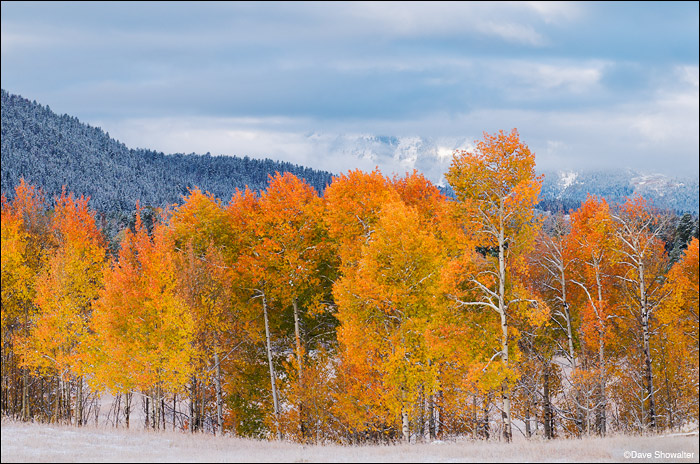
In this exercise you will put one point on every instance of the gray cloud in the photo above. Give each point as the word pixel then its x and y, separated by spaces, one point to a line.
pixel 586 84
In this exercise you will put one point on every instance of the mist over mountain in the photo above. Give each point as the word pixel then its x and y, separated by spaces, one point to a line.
pixel 561 189
pixel 51 151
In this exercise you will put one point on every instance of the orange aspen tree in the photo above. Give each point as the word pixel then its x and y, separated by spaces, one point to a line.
pixel 678 316
pixel 497 188
pixel 418 192
pixel 591 245
pixel 65 291
pixel 643 262
pixel 256 278
pixel 353 202
pixel 246 374
pixel 292 243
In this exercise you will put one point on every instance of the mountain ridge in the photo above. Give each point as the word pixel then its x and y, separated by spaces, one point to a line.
pixel 51 150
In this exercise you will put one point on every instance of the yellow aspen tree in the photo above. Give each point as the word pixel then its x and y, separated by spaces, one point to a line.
pixel 497 188
pixel 26 238
pixel 394 294
pixel 203 242
pixel 144 331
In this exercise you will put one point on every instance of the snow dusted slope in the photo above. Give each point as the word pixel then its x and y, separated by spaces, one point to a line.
pixel 568 189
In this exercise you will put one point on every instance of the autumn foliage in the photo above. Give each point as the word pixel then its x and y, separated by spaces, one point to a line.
pixel 382 310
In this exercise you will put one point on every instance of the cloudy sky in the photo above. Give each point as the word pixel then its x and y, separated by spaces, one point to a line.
pixel 588 85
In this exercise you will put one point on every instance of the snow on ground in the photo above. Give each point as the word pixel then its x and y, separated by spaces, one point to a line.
pixel 24 442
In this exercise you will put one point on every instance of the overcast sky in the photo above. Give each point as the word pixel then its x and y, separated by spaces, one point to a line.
pixel 588 85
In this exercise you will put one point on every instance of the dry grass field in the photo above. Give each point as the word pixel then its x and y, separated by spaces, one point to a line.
pixel 23 442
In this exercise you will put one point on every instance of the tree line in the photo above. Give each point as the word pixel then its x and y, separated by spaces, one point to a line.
pixel 381 311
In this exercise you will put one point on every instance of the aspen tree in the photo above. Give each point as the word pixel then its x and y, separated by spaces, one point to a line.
pixel 497 187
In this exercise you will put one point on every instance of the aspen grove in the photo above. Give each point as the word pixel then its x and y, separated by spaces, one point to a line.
pixel 381 311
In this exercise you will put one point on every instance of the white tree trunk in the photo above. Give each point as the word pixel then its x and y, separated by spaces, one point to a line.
pixel 297 333
pixel 404 425
pixel 648 376
pixel 275 402
pixel 507 424
pixel 218 392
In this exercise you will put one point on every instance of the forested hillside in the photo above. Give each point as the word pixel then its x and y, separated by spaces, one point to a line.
pixel 51 151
